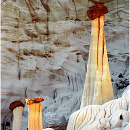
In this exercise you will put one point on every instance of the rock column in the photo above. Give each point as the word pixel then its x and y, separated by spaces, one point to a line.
pixel 17 108
pixel 35 113
pixel 17 122
pixel 98 86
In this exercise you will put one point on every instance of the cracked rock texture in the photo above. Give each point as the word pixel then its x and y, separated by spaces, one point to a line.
pixel 113 115
pixel 44 52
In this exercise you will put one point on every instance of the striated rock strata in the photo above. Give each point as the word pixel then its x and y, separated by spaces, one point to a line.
pixel 44 53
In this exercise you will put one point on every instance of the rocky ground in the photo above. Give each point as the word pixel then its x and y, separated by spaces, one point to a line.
pixel 44 52
pixel 60 127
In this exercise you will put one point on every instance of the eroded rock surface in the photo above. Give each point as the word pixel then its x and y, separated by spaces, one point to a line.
pixel 44 49
pixel 111 115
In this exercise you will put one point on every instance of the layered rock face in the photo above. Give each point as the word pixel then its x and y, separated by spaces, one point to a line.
pixel 44 52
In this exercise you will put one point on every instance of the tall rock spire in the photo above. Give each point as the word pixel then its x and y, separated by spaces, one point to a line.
pixel 98 86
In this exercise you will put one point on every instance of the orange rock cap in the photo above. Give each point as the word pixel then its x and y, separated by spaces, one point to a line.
pixel 34 100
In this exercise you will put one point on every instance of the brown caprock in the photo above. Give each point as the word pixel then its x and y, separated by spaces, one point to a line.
pixel 98 86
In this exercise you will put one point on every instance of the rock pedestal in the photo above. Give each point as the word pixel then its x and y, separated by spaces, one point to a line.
pixel 17 115
pixel 35 114
pixel 98 85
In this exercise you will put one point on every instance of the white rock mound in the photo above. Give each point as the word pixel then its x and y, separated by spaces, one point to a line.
pixel 113 115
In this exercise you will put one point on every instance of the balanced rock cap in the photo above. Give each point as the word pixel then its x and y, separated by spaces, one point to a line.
pixel 96 11
pixel 15 104
pixel 34 100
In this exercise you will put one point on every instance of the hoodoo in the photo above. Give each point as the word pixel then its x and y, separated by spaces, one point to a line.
pixel 35 113
pixel 17 108
pixel 98 86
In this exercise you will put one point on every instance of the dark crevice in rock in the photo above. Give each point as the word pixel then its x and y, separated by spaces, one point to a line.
pixel 19 71
pixel 77 59
pixel 72 82
pixel 117 12
pixel 52 76
pixel 26 92
pixel 47 8
pixel 3 1
pixel 6 118
pixel 122 81
pixel 66 9
pixel 77 19
pixel 127 66
pixel 20 41
pixel 57 71
pixel 68 79
pixel 32 11
pixel 35 53
pixel 76 83
pixel 54 94
pixel 31 35
pixel 76 11
pixel 19 74
pixel 13 51
pixel 59 44
pixel 86 66
pixel 81 82
pixel 121 117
